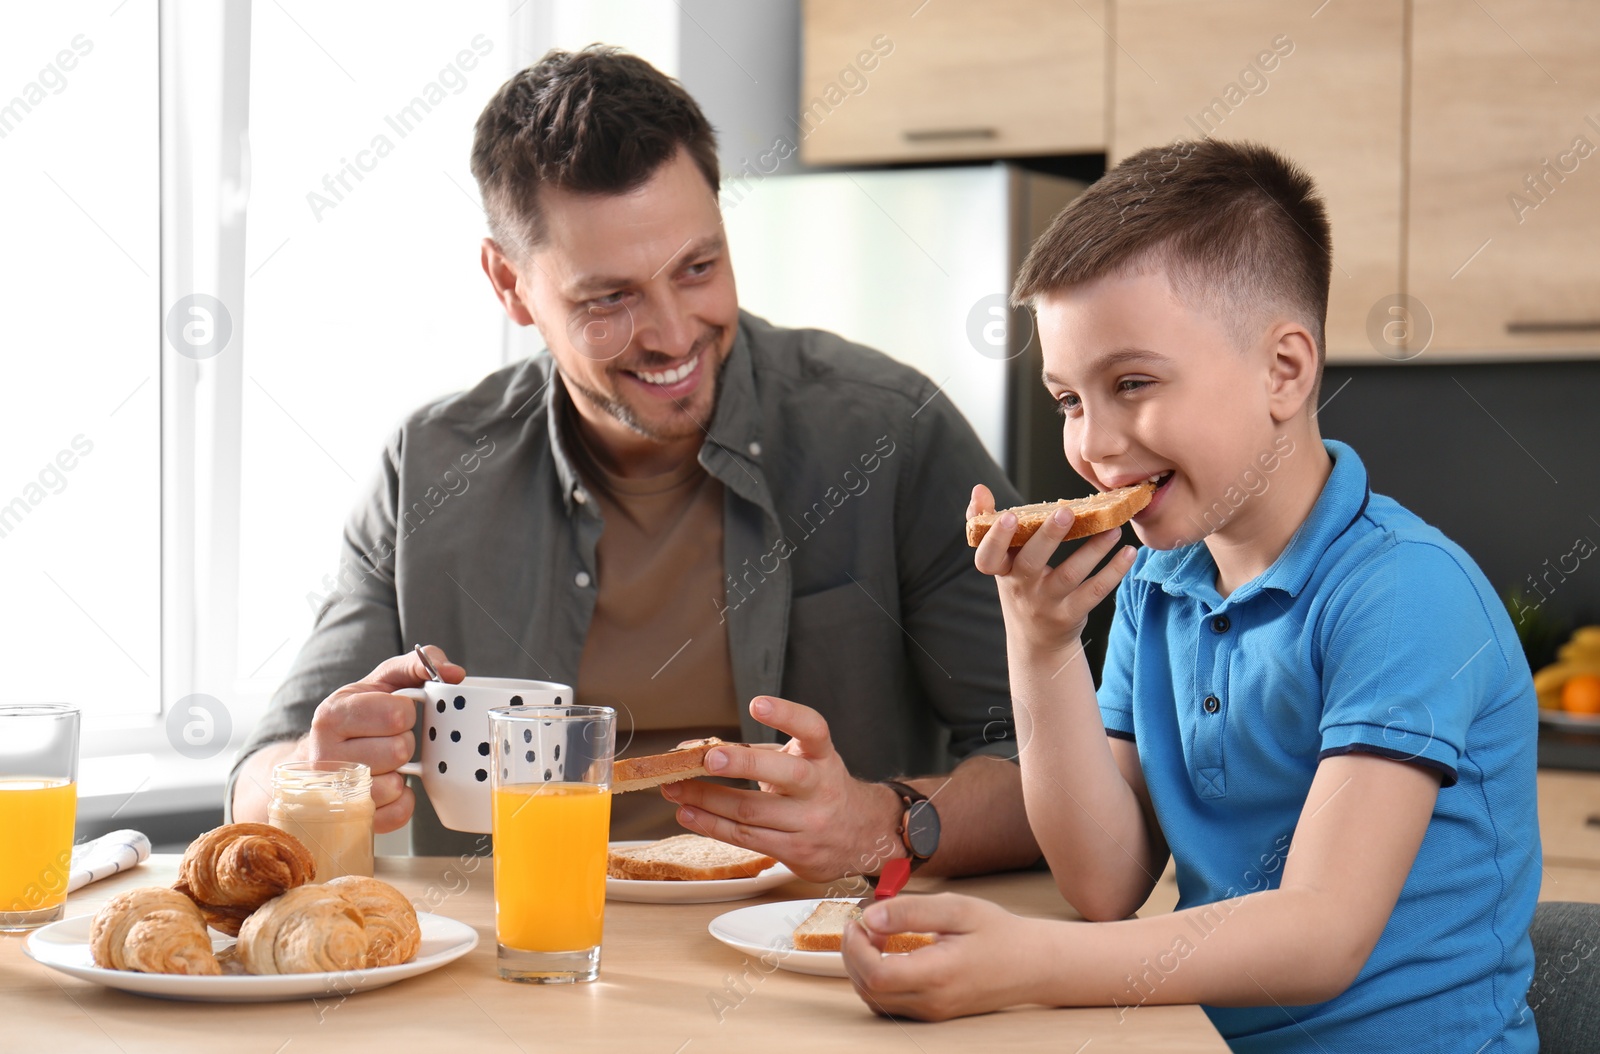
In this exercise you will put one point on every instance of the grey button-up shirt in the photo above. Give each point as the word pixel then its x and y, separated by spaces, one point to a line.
pixel 849 584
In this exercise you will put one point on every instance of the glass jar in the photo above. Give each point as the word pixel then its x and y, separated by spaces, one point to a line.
pixel 328 806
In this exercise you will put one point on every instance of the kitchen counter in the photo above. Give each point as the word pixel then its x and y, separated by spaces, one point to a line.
pixel 1560 749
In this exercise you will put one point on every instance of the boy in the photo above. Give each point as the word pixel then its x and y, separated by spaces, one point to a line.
pixel 1311 698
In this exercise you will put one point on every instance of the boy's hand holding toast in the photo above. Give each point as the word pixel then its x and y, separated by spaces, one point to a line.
pixel 1045 607
pixel 983 959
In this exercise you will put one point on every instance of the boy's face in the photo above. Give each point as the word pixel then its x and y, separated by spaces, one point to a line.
pixel 1148 386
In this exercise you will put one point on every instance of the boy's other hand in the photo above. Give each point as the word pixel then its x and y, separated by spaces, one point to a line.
pixel 981 959
pixel 1045 608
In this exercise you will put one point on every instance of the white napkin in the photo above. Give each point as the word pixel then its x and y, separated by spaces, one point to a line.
pixel 105 856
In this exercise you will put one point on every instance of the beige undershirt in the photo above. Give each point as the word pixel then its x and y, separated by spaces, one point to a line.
pixel 657 651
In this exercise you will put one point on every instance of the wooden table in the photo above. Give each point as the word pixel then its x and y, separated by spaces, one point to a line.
pixel 666 987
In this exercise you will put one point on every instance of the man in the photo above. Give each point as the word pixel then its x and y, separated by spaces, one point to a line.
pixel 679 510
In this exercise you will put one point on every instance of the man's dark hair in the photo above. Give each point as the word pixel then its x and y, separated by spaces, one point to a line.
pixel 1239 231
pixel 596 121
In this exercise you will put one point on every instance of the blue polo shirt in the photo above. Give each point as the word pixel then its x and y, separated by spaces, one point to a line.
pixel 1371 632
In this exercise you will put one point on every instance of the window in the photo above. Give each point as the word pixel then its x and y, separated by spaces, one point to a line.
pixel 80 467
pixel 242 244
pixel 363 295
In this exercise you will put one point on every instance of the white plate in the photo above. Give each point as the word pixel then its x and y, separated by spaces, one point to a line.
pixel 766 931
pixel 644 891
pixel 64 946
pixel 1571 722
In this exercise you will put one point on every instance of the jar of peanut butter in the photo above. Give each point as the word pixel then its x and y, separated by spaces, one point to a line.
pixel 328 806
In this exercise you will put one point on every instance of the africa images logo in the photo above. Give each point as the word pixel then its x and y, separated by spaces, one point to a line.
pixel 52 79
pixel 451 80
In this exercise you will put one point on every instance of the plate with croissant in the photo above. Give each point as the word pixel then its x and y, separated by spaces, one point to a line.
pixel 246 922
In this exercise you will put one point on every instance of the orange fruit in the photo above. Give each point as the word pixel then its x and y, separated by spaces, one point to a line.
pixel 1581 694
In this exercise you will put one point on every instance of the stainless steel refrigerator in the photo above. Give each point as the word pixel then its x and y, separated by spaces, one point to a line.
pixel 918 264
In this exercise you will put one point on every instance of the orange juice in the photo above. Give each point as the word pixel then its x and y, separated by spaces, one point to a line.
pixel 36 842
pixel 550 865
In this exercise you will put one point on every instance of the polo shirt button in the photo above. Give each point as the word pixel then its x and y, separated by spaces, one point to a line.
pixel 1212 704
pixel 582 579
pixel 1220 624
pixel 580 496
pixel 755 449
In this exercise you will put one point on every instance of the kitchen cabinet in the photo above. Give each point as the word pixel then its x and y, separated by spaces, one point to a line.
pixel 911 80
pixel 1569 817
pixel 1325 90
pixel 1457 145
pixel 1570 883
pixel 1505 175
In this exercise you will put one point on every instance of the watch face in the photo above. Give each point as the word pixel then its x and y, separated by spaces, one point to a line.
pixel 922 829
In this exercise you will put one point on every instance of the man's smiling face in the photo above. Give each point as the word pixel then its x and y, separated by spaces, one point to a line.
pixel 1149 386
pixel 634 295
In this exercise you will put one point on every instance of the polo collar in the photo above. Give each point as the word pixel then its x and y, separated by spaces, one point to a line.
pixel 1190 571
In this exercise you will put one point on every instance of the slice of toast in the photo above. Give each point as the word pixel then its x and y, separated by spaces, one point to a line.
pixel 686 858
pixel 823 931
pixel 1095 513
pixel 684 763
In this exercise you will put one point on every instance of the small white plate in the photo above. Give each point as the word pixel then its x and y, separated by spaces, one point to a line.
pixel 1570 722
pixel 649 891
pixel 64 946
pixel 766 931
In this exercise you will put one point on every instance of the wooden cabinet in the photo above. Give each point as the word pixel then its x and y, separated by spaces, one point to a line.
pixel 1460 159
pixel 1569 817
pixel 1570 883
pixel 1505 175
pixel 1326 91
pixel 911 80
pixel 1457 145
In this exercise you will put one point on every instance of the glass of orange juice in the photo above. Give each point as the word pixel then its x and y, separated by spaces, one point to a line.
pixel 38 804
pixel 551 783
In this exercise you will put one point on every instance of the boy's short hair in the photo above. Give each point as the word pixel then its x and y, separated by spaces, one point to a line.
pixel 596 121
pixel 1237 229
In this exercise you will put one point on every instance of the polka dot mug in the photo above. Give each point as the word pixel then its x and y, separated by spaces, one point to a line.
pixel 454 737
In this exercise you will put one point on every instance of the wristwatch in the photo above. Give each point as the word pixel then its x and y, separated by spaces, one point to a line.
pixel 919 825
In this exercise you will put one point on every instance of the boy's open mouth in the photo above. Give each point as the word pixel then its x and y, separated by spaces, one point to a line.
pixel 1160 479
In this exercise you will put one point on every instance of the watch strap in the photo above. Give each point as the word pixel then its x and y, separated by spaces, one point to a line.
pixel 908 793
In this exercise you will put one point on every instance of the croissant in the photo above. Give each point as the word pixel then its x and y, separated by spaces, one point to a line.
pixel 310 929
pixel 393 935
pixel 232 870
pixel 152 930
